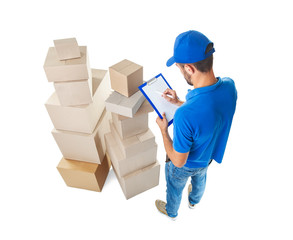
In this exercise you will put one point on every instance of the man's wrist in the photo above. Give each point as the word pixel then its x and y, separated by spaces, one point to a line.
pixel 164 132
pixel 179 103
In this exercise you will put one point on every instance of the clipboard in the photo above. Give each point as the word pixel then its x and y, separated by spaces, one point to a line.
pixel 151 90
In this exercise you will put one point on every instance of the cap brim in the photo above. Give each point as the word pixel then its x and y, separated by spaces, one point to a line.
pixel 170 62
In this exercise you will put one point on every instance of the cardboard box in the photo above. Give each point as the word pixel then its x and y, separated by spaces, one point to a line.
pixel 67 48
pixel 125 165
pixel 133 145
pixel 74 93
pixel 82 146
pixel 67 70
pixel 81 118
pixel 127 127
pixel 125 77
pixel 143 109
pixel 90 176
pixel 140 180
pixel 122 105
pixel 131 126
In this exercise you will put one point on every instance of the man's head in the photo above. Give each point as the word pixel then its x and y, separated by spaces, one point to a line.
pixel 193 53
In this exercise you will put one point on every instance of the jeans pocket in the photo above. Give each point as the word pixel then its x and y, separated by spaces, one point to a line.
pixel 178 173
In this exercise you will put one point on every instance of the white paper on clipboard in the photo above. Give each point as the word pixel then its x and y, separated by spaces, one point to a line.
pixel 151 91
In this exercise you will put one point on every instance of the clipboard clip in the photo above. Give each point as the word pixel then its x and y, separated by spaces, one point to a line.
pixel 151 81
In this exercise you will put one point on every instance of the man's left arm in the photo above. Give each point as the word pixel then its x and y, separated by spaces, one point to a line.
pixel 177 158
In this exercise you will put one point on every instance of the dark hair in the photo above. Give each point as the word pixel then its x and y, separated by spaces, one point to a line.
pixel 206 64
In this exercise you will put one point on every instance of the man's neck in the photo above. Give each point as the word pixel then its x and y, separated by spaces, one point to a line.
pixel 204 79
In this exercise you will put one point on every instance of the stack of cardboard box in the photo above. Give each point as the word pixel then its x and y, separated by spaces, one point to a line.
pixel 131 145
pixel 77 111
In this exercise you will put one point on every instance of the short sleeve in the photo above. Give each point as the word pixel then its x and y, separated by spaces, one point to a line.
pixel 182 133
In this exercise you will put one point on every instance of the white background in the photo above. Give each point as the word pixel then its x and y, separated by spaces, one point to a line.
pixel 248 196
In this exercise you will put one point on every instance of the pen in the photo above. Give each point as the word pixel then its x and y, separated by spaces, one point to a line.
pixel 158 92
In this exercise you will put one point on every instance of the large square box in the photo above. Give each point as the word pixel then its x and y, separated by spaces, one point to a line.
pixel 126 165
pixel 67 70
pixel 125 77
pixel 74 93
pixel 89 176
pixel 67 48
pixel 140 180
pixel 81 118
pixel 83 146
pixel 127 127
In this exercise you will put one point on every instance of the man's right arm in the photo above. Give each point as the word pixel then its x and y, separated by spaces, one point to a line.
pixel 180 102
pixel 174 99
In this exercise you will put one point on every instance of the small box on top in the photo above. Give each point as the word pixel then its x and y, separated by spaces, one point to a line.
pixel 126 77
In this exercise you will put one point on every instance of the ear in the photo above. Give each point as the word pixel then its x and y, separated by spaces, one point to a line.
pixel 189 69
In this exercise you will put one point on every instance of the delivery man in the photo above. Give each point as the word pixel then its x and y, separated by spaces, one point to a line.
pixel 201 124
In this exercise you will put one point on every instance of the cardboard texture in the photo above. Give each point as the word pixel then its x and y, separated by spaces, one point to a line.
pixel 130 126
pixel 143 109
pixel 126 77
pixel 125 165
pixel 81 118
pixel 84 175
pixel 122 105
pixel 74 92
pixel 82 146
pixel 127 127
pixel 140 180
pixel 133 145
pixel 67 70
pixel 67 48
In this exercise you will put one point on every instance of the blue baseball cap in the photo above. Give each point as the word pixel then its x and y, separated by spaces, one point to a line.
pixel 190 47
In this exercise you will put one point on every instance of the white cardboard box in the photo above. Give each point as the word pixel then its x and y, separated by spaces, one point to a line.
pixel 135 144
pixel 140 180
pixel 122 105
pixel 67 48
pixel 81 118
pixel 82 146
pixel 74 93
pixel 127 127
pixel 67 70
pixel 125 165
pixel 131 126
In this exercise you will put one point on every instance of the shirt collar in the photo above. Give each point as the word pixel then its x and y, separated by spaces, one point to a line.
pixel 196 91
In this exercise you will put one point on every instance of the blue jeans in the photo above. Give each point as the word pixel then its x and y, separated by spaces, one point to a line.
pixel 176 179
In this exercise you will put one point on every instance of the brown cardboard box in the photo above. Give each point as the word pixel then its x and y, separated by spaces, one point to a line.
pixel 67 48
pixel 67 70
pixel 74 93
pixel 127 127
pixel 90 176
pixel 82 146
pixel 125 77
pixel 124 165
pixel 81 118
pixel 122 105
pixel 140 180
pixel 132 145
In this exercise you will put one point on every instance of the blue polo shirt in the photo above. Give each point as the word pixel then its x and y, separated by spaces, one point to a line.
pixel 202 124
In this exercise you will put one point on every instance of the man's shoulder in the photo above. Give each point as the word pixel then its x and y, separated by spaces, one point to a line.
pixel 228 81
pixel 230 86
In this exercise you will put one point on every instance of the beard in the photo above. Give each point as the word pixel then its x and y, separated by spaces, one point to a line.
pixel 187 77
